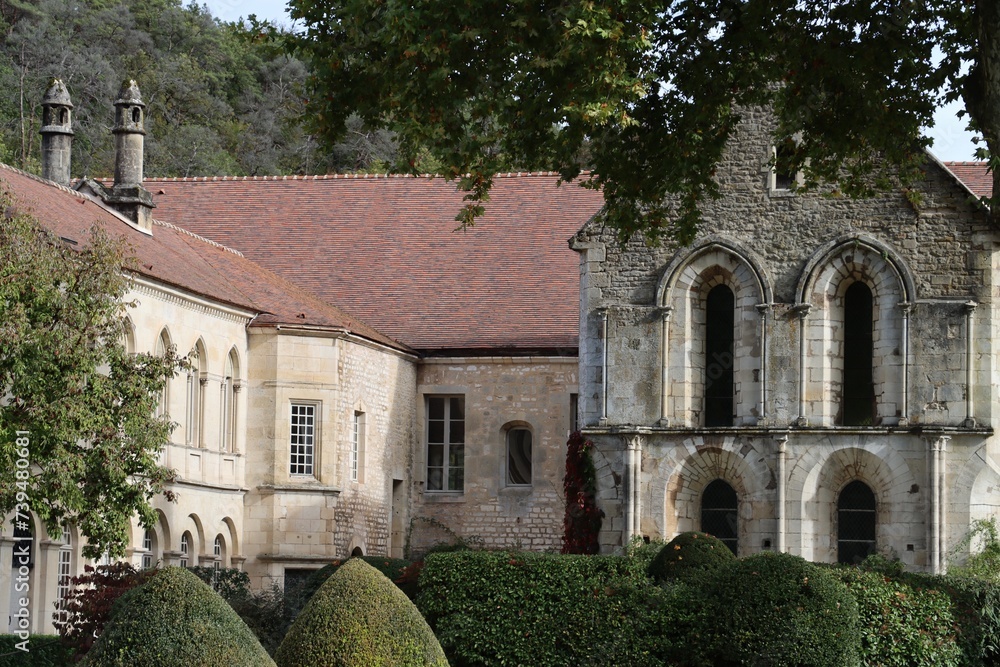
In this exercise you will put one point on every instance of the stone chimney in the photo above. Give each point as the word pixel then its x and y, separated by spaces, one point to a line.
pixel 127 194
pixel 57 133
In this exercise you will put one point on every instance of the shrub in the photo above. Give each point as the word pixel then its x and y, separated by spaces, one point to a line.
pixel 778 609
pixel 359 618
pixel 175 620
pixel 901 626
pixel 230 583
pixel 267 614
pixel 43 651
pixel 689 554
pixel 975 605
pixel 90 600
pixel 516 608
pixel 393 568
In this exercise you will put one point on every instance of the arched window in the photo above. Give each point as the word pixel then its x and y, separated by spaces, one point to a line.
pixel 719 332
pixel 858 402
pixel 193 417
pixel 357 552
pixel 230 387
pixel 519 457
pixel 855 523
pixel 185 549
pixel 720 512
pixel 163 405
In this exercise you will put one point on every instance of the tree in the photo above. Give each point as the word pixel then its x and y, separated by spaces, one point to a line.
pixel 653 88
pixel 79 442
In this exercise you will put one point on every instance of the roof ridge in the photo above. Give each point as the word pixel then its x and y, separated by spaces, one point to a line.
pixel 45 181
pixel 210 242
pixel 330 177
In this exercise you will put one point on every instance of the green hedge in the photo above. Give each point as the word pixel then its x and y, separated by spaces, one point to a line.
pixel 43 651
pixel 690 554
pixel 515 608
pixel 901 626
pixel 778 609
pixel 175 620
pixel 358 618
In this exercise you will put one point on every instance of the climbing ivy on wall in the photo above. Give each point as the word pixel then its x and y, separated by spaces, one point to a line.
pixel 582 522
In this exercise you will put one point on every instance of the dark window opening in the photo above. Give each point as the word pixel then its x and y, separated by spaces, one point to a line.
pixel 719 513
pixel 719 326
pixel 518 457
pixel 858 408
pixel 784 175
pixel 136 115
pixel 855 523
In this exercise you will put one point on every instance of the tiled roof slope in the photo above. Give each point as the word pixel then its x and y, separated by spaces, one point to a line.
pixel 385 249
pixel 180 259
pixel 974 175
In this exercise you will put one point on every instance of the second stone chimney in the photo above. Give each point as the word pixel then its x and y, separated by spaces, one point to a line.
pixel 57 133
pixel 127 194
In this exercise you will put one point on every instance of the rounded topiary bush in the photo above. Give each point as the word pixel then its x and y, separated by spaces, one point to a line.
pixel 689 553
pixel 778 609
pixel 175 620
pixel 358 618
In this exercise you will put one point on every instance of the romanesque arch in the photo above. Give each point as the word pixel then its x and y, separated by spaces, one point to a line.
pixel 823 292
pixel 684 294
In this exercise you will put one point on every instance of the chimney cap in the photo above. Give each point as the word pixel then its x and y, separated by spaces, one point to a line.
pixel 129 94
pixel 57 95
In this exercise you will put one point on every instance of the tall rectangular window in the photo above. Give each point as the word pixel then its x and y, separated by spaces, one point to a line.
pixel 303 440
pixel 445 443
pixel 63 583
pixel 358 447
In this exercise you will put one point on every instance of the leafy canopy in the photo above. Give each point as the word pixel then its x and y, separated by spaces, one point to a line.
pixel 651 88
pixel 78 439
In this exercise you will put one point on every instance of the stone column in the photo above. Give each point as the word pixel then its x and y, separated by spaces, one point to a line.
pixel 802 310
pixel 782 487
pixel 970 363
pixel 604 366
pixel 665 313
pixel 904 412
pixel 762 309
pixel 633 482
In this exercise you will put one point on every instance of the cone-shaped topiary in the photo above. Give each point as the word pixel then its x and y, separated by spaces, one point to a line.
pixel 175 620
pixel 689 553
pixel 358 618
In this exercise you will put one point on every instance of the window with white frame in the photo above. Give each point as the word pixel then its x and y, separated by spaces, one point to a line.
pixel 303 439
pixel 519 457
pixel 147 548
pixel 358 447
pixel 185 549
pixel 445 443
pixel 64 577
pixel 217 551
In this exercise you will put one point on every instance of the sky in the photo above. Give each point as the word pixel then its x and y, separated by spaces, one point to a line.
pixel 951 141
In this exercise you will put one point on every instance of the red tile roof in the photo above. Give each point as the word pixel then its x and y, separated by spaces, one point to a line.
pixel 385 249
pixel 975 176
pixel 181 259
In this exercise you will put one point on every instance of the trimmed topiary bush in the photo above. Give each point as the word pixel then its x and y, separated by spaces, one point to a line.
pixel 175 620
pixel 690 553
pixel 901 626
pixel 358 618
pixel 778 609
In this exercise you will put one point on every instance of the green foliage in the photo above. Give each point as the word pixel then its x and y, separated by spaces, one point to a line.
pixel 90 602
pixel 391 567
pixel 175 620
pixel 975 605
pixel 653 90
pixel 901 626
pixel 230 583
pixel 983 542
pixel 582 522
pixel 511 608
pixel 80 408
pixel 359 618
pixel 688 554
pixel 43 651
pixel 268 614
pixel 778 609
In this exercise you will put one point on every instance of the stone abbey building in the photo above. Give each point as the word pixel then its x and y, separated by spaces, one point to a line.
pixel 814 375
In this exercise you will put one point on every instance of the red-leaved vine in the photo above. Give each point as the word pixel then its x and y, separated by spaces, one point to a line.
pixel 582 522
